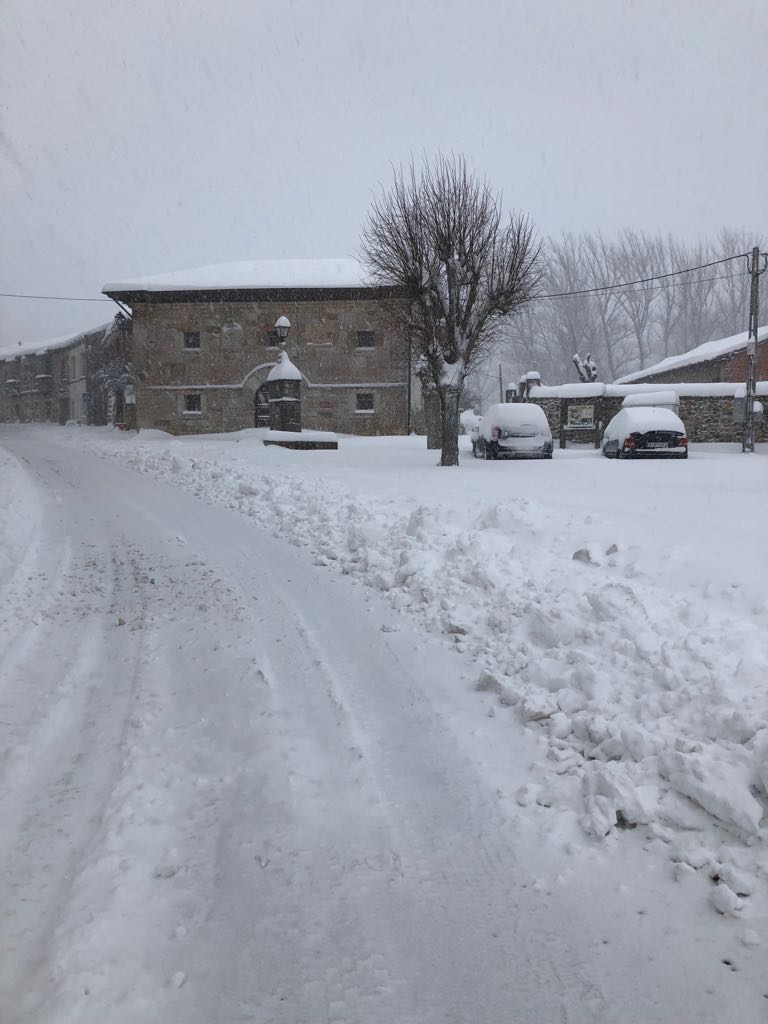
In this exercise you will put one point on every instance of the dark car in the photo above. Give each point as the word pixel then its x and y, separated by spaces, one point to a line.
pixel 643 432
pixel 513 430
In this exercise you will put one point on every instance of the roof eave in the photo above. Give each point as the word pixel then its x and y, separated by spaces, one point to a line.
pixel 132 296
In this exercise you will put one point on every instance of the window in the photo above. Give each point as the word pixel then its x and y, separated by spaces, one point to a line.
pixel 271 340
pixel 365 339
pixel 193 403
pixel 364 401
pixel 191 339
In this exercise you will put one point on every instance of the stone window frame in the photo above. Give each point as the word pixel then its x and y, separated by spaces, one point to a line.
pixel 370 338
pixel 187 336
pixel 366 410
pixel 192 398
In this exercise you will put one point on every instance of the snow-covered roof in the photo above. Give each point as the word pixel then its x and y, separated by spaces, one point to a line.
pixel 646 398
pixel 591 390
pixel 253 274
pixel 284 369
pixel 39 348
pixel 598 390
pixel 700 354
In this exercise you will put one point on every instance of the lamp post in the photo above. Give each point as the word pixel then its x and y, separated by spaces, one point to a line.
pixel 282 326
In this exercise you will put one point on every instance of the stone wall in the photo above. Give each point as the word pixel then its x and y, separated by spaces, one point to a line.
pixel 705 418
pixel 49 385
pixel 237 348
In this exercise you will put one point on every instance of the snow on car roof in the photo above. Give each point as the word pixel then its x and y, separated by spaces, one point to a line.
pixel 253 274
pixel 505 414
pixel 642 418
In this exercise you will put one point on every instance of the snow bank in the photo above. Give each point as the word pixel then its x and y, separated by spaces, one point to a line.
pixel 650 698
pixel 651 398
pixel 18 516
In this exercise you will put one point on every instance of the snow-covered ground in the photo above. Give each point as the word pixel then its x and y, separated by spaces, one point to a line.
pixel 514 766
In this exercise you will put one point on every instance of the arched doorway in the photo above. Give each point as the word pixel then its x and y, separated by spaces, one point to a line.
pixel 261 407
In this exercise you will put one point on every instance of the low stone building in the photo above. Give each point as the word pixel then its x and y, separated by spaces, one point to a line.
pixel 714 362
pixel 708 382
pixel 64 379
pixel 204 342
pixel 578 413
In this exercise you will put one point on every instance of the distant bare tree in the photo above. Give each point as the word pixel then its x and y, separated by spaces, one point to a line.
pixel 636 259
pixel 629 328
pixel 464 270
pixel 732 293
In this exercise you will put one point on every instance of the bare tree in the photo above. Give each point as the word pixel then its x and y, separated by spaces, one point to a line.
pixel 464 269
pixel 609 327
pixel 732 294
pixel 636 257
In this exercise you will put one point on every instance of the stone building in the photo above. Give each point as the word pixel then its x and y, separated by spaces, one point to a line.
pixel 723 361
pixel 61 380
pixel 204 342
pixel 578 413
pixel 707 383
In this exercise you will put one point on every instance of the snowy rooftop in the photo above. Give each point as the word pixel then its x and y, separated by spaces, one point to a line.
pixel 618 390
pixel 253 274
pixel 700 354
pixel 39 348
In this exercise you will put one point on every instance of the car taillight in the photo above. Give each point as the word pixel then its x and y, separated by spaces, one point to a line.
pixel 683 441
pixel 629 442
pixel 496 433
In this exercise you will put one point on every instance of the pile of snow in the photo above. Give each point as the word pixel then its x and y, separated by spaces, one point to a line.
pixel 651 696
pixel 284 369
pixel 651 398
pixel 468 420
pixel 18 516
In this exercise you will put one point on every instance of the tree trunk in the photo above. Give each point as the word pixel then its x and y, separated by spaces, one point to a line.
pixel 432 417
pixel 449 423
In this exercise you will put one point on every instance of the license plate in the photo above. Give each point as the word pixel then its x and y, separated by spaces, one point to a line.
pixel 658 444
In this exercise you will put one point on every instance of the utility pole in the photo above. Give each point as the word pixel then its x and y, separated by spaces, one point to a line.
pixel 755 270
pixel 501 386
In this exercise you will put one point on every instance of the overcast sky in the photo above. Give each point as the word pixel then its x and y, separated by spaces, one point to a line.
pixel 144 136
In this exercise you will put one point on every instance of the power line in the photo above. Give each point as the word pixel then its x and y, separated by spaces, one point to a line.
pixel 55 298
pixel 642 280
pixel 625 285
pixel 653 288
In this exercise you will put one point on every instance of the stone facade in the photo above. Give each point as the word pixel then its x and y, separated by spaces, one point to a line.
pixel 62 382
pixel 730 368
pixel 204 358
pixel 706 417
